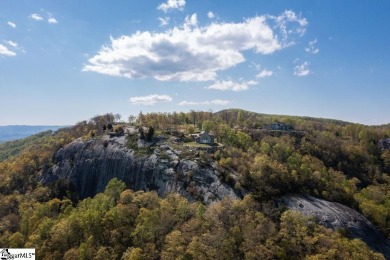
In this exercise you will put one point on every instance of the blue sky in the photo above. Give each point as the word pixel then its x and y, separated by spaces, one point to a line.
pixel 66 61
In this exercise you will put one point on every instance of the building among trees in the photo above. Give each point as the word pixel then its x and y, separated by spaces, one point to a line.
pixel 278 126
pixel 204 138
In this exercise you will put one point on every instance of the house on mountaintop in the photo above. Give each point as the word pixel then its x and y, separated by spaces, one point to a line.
pixel 204 138
pixel 278 126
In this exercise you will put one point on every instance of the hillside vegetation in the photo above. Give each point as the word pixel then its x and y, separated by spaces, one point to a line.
pixel 14 132
pixel 11 148
pixel 334 160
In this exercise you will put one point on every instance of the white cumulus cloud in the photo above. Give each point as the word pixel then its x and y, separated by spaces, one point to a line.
pixel 231 85
pixel 36 17
pixel 188 52
pixel 302 69
pixel 172 4
pixel 219 102
pixel 312 47
pixel 5 51
pixel 164 21
pixel 150 100
pixel 13 25
pixel 265 73
pixel 52 20
pixel 210 15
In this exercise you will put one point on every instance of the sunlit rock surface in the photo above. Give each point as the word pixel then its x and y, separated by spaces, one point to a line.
pixel 91 164
pixel 337 216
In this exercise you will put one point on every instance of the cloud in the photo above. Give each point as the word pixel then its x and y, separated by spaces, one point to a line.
pixel 13 25
pixel 11 43
pixel 5 51
pixel 231 85
pixel 164 21
pixel 302 70
pixel 312 48
pixel 289 23
pixel 150 100
pixel 264 73
pixel 219 102
pixel 188 52
pixel 191 20
pixel 172 4
pixel 52 20
pixel 36 17
pixel 210 15
pixel 290 16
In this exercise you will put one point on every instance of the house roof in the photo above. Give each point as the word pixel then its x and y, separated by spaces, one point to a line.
pixel 207 133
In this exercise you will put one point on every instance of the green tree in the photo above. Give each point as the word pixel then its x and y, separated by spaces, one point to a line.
pixel 141 133
pixel 207 125
pixel 240 118
pixel 149 134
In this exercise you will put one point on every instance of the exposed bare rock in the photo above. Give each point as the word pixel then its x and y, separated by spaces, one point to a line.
pixel 91 164
pixel 337 216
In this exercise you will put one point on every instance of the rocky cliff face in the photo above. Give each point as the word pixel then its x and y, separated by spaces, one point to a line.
pixel 337 216
pixel 91 164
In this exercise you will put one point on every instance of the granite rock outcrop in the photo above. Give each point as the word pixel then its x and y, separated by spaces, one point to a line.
pixel 91 164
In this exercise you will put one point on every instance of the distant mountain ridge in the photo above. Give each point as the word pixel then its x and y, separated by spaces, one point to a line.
pixel 14 132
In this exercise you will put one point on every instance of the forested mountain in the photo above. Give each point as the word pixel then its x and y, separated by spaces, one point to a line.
pixel 11 148
pixel 14 132
pixel 191 200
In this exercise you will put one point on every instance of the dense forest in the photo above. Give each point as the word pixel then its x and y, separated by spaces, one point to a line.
pixel 334 160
